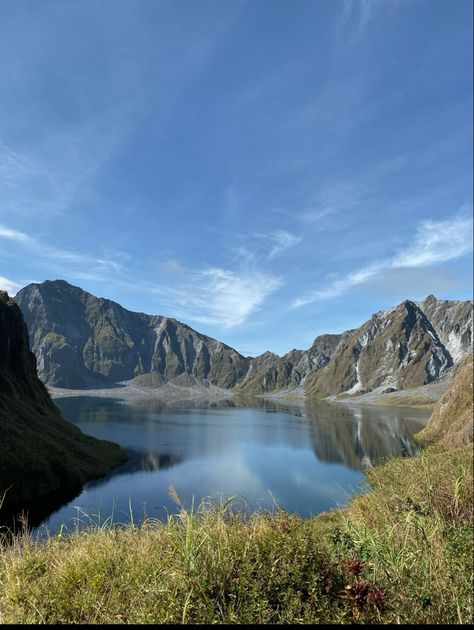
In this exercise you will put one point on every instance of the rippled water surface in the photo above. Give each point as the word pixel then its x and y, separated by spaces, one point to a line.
pixel 305 459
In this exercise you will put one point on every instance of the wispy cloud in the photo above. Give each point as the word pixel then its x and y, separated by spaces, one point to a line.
pixel 57 258
pixel 435 242
pixel 213 295
pixel 219 296
pixel 9 286
pixel 283 240
pixel 48 176
pixel 333 199
pixel 358 13
pixel 14 235
pixel 280 241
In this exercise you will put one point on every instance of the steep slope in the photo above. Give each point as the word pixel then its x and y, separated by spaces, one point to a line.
pixel 409 345
pixel 452 321
pixel 451 423
pixel 397 348
pixel 40 453
pixel 81 340
pixel 269 372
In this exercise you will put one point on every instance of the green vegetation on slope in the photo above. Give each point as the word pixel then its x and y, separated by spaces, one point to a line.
pixel 40 453
pixel 451 422
pixel 81 341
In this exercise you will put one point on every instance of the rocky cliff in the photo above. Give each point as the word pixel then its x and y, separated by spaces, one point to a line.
pixel 40 453
pixel 403 347
pixel 452 321
pixel 81 340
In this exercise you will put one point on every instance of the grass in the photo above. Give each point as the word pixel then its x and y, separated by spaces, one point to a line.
pixel 400 554
pixel 407 401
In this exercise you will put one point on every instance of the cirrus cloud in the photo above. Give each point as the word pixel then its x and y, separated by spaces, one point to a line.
pixel 435 242
pixel 222 297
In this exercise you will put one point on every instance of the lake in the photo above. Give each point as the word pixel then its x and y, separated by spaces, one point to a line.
pixel 305 459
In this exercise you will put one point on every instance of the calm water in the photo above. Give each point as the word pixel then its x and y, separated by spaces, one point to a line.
pixel 304 459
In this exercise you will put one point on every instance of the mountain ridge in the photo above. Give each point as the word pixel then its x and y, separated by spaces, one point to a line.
pixel 101 342
pixel 81 340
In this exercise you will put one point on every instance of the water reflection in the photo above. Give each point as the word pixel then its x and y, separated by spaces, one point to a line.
pixel 361 437
pixel 307 458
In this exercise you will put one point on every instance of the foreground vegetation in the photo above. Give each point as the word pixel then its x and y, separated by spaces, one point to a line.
pixel 401 553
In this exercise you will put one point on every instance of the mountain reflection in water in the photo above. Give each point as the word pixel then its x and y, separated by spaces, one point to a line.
pixel 307 457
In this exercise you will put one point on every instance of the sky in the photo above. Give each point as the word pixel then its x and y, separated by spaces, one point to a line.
pixel 262 170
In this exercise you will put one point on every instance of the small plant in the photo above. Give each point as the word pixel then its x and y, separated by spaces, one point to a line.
pixel 363 594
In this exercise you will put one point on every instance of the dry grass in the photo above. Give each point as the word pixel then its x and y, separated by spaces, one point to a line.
pixel 407 401
pixel 402 553
pixel 452 423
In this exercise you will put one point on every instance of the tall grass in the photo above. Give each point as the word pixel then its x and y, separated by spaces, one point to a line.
pixel 401 553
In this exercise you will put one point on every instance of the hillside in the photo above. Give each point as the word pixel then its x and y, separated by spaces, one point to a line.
pixel 269 372
pixel 397 349
pixel 451 423
pixel 81 341
pixel 41 455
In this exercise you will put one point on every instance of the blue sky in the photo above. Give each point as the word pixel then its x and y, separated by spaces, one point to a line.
pixel 263 170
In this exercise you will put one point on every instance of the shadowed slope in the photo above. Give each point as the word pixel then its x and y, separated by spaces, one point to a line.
pixel 40 453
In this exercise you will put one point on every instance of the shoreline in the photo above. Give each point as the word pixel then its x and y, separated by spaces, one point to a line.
pixel 128 392
pixel 424 396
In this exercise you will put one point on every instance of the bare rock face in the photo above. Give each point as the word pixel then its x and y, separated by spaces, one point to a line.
pixel 452 321
pixel 40 453
pixel 81 341
pixel 399 348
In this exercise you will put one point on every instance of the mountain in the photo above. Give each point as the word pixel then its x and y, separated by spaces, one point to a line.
pixel 40 453
pixel 452 321
pixel 451 423
pixel 269 372
pixel 398 348
pixel 80 341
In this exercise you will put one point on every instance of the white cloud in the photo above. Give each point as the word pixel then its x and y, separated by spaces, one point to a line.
pixel 435 242
pixel 9 286
pixel 55 257
pixel 274 244
pixel 220 296
pixel 339 286
pixel 14 235
pixel 283 240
